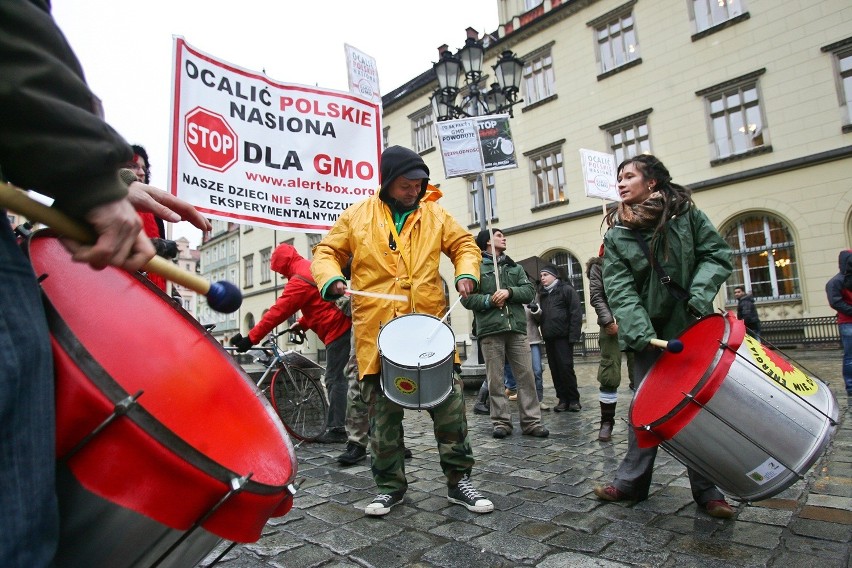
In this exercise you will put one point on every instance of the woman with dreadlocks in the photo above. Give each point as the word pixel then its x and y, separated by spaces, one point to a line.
pixel 658 220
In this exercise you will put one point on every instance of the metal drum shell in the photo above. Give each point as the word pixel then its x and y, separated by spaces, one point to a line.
pixel 417 354
pixel 756 422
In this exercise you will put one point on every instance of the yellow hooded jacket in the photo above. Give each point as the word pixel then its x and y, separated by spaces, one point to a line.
pixel 410 270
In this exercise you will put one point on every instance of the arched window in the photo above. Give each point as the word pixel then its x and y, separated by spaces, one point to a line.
pixel 571 268
pixel 764 259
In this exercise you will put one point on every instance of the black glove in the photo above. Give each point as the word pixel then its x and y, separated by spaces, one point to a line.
pixel 533 307
pixel 242 344
pixel 165 248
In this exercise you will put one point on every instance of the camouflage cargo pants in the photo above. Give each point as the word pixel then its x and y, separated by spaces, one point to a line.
pixel 386 443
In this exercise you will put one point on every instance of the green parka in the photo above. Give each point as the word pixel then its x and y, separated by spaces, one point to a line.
pixel 693 254
pixel 487 318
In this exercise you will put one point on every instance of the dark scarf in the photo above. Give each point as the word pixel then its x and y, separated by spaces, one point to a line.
pixel 643 215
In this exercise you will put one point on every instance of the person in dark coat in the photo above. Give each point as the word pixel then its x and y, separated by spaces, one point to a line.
pixel 560 316
pixel 747 311
pixel 839 292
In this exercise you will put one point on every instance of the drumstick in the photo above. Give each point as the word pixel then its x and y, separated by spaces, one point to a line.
pixel 395 297
pixel 672 345
pixel 221 296
pixel 437 327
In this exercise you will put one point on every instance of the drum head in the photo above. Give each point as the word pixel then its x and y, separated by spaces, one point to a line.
pixel 199 421
pixel 416 339
pixel 662 401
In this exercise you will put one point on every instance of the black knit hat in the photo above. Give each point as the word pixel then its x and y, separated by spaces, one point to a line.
pixel 550 269
pixel 484 236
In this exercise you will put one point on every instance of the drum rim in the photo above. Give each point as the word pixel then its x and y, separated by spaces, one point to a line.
pixel 656 431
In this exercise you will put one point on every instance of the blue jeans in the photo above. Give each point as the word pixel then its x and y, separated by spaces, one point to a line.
pixel 538 371
pixel 846 340
pixel 29 514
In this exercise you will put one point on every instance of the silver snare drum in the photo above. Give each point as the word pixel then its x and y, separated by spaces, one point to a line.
pixel 417 352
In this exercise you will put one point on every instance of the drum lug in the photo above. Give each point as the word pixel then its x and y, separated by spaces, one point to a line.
pixel 237 484
pixel 121 408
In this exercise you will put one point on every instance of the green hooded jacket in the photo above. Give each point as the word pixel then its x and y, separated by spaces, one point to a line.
pixel 693 254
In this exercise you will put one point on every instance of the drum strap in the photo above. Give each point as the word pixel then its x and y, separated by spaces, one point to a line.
pixel 673 287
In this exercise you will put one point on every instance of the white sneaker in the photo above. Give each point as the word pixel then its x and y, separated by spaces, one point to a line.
pixel 543 405
pixel 465 494
pixel 382 504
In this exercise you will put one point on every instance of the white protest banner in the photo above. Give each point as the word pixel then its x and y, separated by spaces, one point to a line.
pixel 460 149
pixel 599 175
pixel 498 149
pixel 248 149
pixel 363 74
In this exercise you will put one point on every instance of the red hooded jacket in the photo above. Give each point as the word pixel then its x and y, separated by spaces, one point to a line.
pixel 323 317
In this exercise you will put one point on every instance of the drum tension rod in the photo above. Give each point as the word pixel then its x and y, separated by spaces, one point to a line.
pixel 237 484
pixel 741 433
pixel 121 408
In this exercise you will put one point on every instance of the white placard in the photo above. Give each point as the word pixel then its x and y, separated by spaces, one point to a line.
pixel 248 149
pixel 460 147
pixel 363 74
pixel 599 175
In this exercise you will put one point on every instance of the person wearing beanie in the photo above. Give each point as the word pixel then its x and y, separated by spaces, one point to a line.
pixel 609 369
pixel 395 239
pixel 500 324
pixel 560 317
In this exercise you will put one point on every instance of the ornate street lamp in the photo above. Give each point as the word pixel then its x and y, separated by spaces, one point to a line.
pixel 477 100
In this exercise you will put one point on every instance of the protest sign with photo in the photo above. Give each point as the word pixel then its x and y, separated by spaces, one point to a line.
pixel 476 145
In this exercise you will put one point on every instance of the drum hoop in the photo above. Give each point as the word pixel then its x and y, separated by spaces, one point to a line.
pixel 700 395
pixel 115 393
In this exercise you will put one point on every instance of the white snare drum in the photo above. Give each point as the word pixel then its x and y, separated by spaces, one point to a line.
pixel 417 352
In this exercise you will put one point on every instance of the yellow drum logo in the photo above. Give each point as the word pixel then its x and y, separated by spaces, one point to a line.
pixel 780 370
pixel 405 385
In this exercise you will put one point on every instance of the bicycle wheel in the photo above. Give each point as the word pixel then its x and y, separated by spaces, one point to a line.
pixel 300 402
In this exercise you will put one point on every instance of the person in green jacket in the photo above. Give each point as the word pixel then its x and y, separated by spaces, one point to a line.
pixel 500 322
pixel 688 248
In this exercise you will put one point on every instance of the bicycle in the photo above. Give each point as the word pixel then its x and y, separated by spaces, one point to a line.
pixel 295 389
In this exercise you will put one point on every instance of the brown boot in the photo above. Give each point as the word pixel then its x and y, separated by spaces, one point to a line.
pixel 607 421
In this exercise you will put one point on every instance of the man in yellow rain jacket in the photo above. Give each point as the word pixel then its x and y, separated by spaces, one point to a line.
pixel 396 239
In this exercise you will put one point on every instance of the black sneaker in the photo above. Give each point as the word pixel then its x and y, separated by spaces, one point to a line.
pixel 407 453
pixel 465 494
pixel 353 454
pixel 382 504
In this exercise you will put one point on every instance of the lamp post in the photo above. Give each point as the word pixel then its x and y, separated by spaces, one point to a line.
pixel 477 100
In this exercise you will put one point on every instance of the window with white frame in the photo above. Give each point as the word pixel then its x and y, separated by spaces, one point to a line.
pixel 709 13
pixel 629 136
pixel 539 79
pixel 842 52
pixel 422 133
pixel 473 201
pixel 248 270
pixel 548 175
pixel 265 270
pixel 736 118
pixel 530 4
pixel 764 259
pixel 385 133
pixel 313 240
pixel 615 37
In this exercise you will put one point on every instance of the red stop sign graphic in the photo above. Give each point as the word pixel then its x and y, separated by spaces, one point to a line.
pixel 209 139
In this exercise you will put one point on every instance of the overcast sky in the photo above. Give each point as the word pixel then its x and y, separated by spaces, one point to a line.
pixel 126 49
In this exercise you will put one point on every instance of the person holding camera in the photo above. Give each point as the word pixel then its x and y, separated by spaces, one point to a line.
pixel 500 322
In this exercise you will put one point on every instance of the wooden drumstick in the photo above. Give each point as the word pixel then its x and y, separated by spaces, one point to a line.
pixel 672 345
pixel 394 297
pixel 221 296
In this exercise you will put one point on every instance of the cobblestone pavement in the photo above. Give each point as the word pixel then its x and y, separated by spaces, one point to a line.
pixel 545 512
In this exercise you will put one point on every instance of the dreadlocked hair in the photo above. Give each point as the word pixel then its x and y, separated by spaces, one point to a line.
pixel 676 199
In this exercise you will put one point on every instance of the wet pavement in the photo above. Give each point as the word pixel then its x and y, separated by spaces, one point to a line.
pixel 545 512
